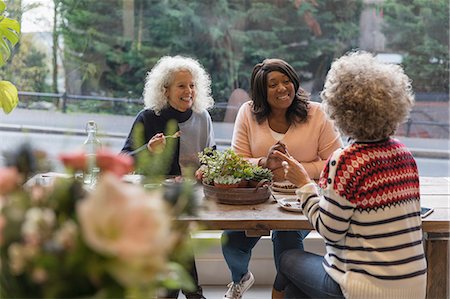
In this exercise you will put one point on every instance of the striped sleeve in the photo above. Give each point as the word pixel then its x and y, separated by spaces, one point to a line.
pixel 325 209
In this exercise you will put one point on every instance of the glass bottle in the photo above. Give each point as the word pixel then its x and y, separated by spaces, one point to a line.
pixel 91 145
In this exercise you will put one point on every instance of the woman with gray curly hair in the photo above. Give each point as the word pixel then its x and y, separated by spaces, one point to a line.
pixel 366 205
pixel 177 89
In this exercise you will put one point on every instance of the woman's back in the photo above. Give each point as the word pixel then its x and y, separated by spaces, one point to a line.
pixel 381 241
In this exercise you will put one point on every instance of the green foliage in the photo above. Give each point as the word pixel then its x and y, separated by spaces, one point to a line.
pixel 8 96
pixel 227 167
pixel 262 173
pixel 9 37
pixel 9 34
pixel 419 30
pixel 109 62
pixel 225 164
pixel 228 37
pixel 27 68
pixel 227 180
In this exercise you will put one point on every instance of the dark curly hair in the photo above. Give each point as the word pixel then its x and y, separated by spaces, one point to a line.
pixel 297 112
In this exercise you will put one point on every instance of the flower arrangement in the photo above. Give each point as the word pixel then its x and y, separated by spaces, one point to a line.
pixel 227 167
pixel 60 240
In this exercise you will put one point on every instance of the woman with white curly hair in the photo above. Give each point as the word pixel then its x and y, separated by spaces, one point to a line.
pixel 367 203
pixel 177 88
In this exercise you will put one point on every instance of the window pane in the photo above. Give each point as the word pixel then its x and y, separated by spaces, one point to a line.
pixel 84 58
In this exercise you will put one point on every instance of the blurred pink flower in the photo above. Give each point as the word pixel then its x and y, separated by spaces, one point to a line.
pixel 117 164
pixel 9 179
pixel 123 220
pixel 75 160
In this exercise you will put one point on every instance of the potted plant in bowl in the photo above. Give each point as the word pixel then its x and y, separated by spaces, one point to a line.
pixel 229 168
pixel 260 175
pixel 223 168
pixel 227 181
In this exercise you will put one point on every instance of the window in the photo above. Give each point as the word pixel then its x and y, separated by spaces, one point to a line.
pixel 104 48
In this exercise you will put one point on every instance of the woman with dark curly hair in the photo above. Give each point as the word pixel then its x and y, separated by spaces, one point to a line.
pixel 367 203
pixel 279 116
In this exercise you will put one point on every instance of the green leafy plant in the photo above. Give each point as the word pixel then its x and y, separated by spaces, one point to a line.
pixel 227 180
pixel 9 37
pixel 261 173
pixel 227 167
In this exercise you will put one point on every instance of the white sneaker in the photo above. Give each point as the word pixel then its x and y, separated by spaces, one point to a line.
pixel 235 291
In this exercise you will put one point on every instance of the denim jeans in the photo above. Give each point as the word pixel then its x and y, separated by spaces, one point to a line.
pixel 237 248
pixel 301 275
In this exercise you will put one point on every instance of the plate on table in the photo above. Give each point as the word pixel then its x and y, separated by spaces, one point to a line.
pixel 290 204
pixel 284 187
pixel 133 178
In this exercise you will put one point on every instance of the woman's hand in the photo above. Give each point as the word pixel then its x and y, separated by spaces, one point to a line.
pixel 273 163
pixel 157 143
pixel 293 170
pixel 199 173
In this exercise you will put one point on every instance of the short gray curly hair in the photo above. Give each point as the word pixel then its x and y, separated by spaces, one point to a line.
pixel 366 98
pixel 161 76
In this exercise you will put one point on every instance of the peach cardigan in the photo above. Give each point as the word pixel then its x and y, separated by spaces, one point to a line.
pixel 311 142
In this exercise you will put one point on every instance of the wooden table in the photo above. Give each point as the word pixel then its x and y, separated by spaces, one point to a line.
pixel 262 218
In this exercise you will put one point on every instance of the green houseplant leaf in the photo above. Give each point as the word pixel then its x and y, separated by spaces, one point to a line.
pixel 9 34
pixel 9 37
pixel 8 96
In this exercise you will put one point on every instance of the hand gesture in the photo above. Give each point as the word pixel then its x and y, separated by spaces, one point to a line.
pixel 293 170
pixel 157 143
pixel 274 163
pixel 199 173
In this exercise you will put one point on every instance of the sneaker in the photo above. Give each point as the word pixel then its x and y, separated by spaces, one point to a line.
pixel 236 290
pixel 197 294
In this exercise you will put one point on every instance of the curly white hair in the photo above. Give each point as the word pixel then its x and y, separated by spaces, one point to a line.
pixel 367 99
pixel 161 76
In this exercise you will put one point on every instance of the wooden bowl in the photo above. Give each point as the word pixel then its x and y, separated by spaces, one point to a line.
pixel 237 196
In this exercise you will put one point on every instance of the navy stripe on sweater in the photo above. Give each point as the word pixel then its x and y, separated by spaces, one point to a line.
pixel 329 229
pixel 390 234
pixel 332 230
pixel 307 200
pixel 385 221
pixel 380 263
pixel 334 217
pixel 384 277
pixel 332 201
pixel 381 249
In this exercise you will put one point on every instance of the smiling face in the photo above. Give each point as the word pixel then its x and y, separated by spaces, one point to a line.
pixel 280 90
pixel 181 91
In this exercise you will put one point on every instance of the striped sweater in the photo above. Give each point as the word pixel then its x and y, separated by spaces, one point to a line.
pixel 367 209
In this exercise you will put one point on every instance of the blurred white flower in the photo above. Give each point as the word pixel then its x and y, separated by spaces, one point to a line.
pixel 66 235
pixel 38 224
pixel 39 275
pixel 17 258
pixel 122 220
